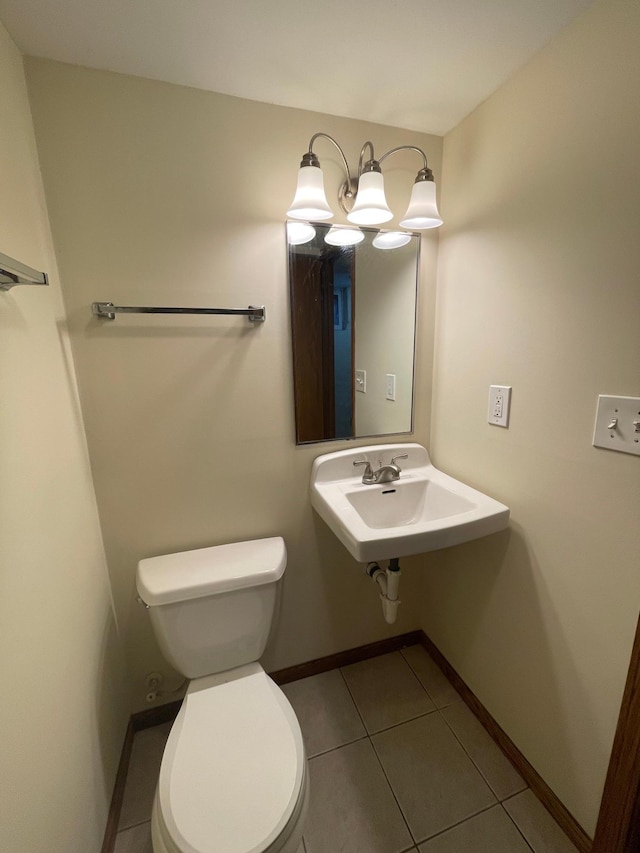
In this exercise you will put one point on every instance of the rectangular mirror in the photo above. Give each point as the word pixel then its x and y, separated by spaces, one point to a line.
pixel 353 320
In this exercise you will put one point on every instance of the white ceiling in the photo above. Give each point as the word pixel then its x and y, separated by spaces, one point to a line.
pixel 417 64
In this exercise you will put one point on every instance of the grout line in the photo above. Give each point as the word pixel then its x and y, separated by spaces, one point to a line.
pixel 355 704
pixel 524 838
pixel 435 709
pixel 393 725
pixel 511 796
pixel 335 748
pixel 416 676
pixel 133 825
pixel 459 823
pixel 458 697
pixel 438 710
pixel 424 687
pixel 393 794
pixel 402 722
pixel 521 791
pixel 473 761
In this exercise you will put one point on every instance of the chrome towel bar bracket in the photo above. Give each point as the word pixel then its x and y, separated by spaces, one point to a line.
pixel 12 272
pixel 107 310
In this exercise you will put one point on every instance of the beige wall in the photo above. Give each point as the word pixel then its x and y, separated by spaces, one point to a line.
pixel 161 194
pixel 538 288
pixel 63 709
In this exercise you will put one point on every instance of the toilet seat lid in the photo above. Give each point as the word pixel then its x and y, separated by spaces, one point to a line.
pixel 233 767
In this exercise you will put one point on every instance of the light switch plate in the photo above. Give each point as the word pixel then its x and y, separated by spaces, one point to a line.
pixel 499 403
pixel 618 424
pixel 361 381
pixel 390 386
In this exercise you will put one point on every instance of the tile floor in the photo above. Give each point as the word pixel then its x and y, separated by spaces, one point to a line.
pixel 397 763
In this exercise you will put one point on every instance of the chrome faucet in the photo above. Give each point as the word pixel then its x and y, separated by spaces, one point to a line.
pixel 384 474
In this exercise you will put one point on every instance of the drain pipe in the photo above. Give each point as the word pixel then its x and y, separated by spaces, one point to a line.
pixel 388 581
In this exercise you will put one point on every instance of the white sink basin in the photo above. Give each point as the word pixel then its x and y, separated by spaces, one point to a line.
pixel 422 511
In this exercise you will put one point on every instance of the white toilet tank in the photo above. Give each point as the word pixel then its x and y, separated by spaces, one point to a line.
pixel 211 609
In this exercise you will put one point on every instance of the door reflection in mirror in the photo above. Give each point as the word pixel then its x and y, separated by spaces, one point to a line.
pixel 353 308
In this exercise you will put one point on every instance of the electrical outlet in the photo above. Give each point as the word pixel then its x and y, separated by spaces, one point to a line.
pixel 499 405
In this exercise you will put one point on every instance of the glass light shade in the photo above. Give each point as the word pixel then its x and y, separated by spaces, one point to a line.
pixel 310 201
pixel 299 233
pixel 344 236
pixel 391 239
pixel 422 211
pixel 371 206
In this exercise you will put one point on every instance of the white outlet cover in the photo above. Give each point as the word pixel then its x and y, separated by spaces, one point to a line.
pixel 615 428
pixel 499 405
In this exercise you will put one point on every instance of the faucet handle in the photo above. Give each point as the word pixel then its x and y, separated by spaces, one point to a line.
pixel 401 456
pixel 368 472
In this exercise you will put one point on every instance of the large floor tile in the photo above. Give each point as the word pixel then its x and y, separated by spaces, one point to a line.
pixel 434 780
pixel 431 677
pixel 134 840
pixel 489 832
pixel 536 824
pixel 144 768
pixel 498 771
pixel 328 717
pixel 352 809
pixel 386 691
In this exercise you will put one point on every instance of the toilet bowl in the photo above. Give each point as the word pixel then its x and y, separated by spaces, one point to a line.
pixel 233 777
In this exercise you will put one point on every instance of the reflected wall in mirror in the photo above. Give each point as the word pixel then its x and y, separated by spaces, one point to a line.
pixel 353 318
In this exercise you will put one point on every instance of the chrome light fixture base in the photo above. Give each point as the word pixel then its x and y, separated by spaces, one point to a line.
pixel 347 195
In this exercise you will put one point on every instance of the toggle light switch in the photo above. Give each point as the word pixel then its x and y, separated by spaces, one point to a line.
pixel 390 386
pixel 618 424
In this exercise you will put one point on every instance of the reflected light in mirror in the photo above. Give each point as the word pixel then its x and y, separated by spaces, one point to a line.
pixel 391 239
pixel 344 236
pixel 299 233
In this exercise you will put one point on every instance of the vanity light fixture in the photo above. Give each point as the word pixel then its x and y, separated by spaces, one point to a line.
pixel 362 198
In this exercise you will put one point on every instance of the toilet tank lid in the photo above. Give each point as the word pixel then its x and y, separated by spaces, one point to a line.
pixel 209 571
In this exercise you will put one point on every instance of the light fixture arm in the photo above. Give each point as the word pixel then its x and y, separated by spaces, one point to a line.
pixel 425 174
pixel 349 186
pixel 312 157
pixel 370 165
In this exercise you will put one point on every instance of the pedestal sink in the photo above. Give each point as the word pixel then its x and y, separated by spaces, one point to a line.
pixel 423 510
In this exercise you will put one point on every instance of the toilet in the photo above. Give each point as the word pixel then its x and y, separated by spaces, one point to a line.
pixel 233 777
